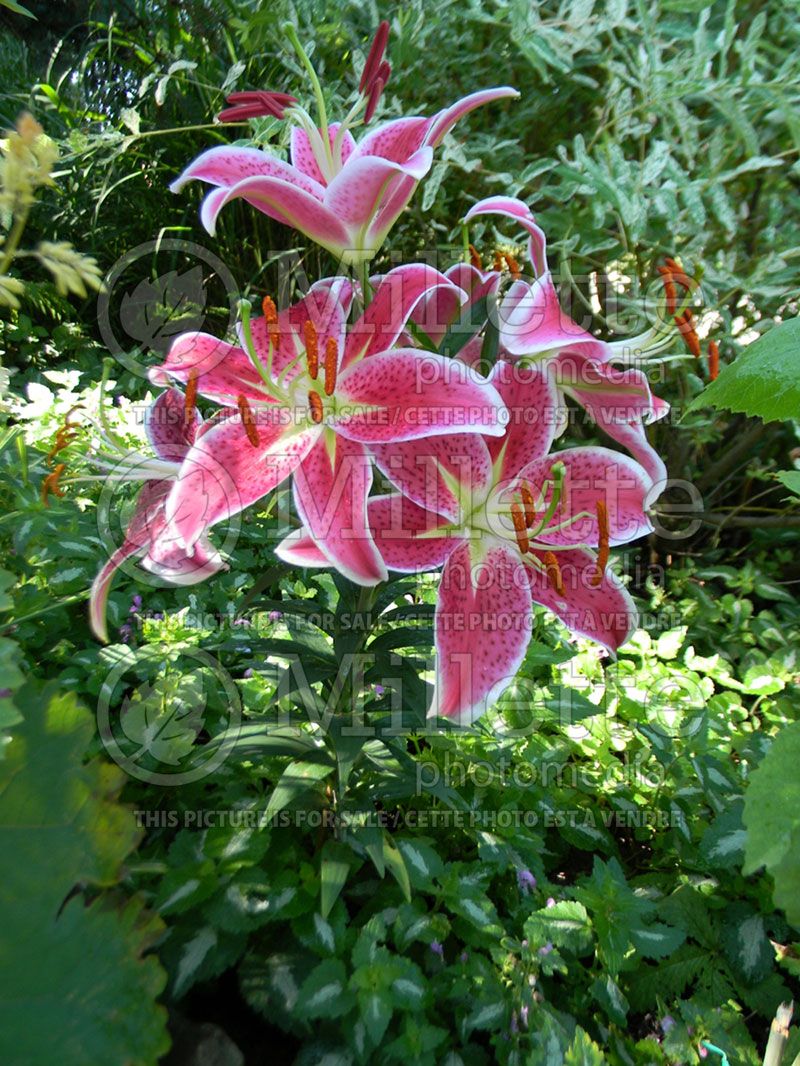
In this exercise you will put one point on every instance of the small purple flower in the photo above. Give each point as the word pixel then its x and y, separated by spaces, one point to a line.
pixel 248 672
pixel 125 633
pixel 523 1015
pixel 241 622
pixel 437 948
pixel 158 617
pixel 667 1023
pixel 136 602
pixel 525 943
pixel 379 690
pixel 546 949
pixel 550 902
pixel 275 616
pixel 526 880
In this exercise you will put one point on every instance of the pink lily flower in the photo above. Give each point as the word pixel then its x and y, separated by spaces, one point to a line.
pixel 512 524
pixel 343 195
pixel 532 326
pixel 304 396
pixel 171 435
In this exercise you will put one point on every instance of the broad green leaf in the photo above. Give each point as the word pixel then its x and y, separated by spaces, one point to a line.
pixel 297 778
pixel 772 802
pixel 764 380
pixel 566 925
pixel 324 992
pixel 791 479
pixel 76 966
pixel 333 874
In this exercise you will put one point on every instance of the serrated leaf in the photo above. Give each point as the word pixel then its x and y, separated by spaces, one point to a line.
pixel 763 381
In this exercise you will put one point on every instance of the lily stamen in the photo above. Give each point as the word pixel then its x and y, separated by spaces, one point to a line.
pixel 315 404
pixel 554 573
pixel 520 527
pixel 670 291
pixel 685 324
pixel 528 504
pixel 498 262
pixel 248 420
pixel 513 267
pixel 190 398
pixel 271 319
pixel 713 360
pixel 312 348
pixel 604 540
pixel 475 257
pixel 50 483
pixel 331 360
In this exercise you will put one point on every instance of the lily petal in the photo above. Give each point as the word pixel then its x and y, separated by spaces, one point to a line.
pixel 223 473
pixel 331 486
pixel 606 614
pixel 226 166
pixel 532 402
pixel 397 140
pixel 287 203
pixel 532 321
pixel 515 209
pixel 415 467
pixel 405 394
pixel 299 548
pixel 302 155
pixel 168 429
pixel 592 475
pixel 223 370
pixel 482 627
pixel 607 393
pixel 442 123
pixel 396 523
pixel 396 296
pixel 358 190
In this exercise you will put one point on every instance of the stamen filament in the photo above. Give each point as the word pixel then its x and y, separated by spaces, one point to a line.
pixel 558 472
pixel 331 360
pixel 247 335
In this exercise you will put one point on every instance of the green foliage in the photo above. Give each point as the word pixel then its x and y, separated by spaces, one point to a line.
pixel 764 379
pixel 770 815
pixel 578 880
pixel 74 962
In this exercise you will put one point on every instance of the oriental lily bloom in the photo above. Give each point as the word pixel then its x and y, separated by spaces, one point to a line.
pixel 441 313
pixel 512 525
pixel 343 195
pixel 171 434
pixel 533 327
pixel 303 396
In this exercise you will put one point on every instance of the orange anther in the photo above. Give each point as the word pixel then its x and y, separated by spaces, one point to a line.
pixel 190 399
pixel 475 257
pixel 312 348
pixel 528 504
pixel 331 360
pixel 248 421
pixel 271 319
pixel 670 291
pixel 603 541
pixel 713 360
pixel 498 261
pixel 554 572
pixel 520 528
pixel 50 483
pixel 685 324
pixel 679 274
pixel 315 403
pixel 513 267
